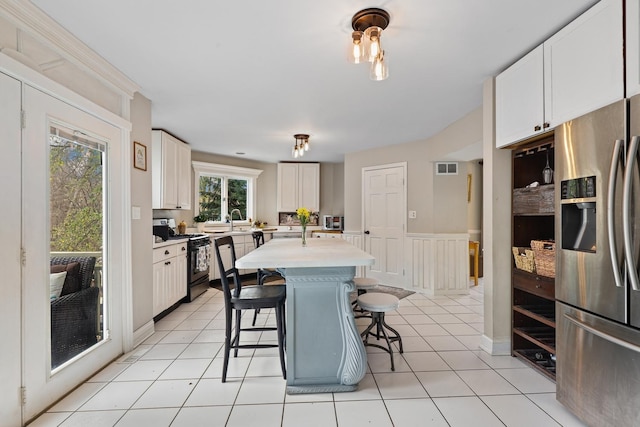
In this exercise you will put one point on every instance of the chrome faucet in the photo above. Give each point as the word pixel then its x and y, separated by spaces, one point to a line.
pixel 231 216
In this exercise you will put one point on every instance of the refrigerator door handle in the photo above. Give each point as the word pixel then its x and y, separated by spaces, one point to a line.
pixel 601 334
pixel 626 213
pixel 613 174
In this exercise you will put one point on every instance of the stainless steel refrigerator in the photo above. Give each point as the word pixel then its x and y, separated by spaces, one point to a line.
pixel 597 229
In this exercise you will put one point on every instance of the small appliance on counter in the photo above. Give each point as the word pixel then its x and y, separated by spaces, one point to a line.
pixel 164 227
pixel 332 222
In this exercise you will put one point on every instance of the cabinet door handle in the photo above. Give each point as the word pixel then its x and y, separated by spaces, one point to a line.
pixel 166 252
pixel 178 207
pixel 546 125
pixel 537 128
pixel 167 263
pixel 184 249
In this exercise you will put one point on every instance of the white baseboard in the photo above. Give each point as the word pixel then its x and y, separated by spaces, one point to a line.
pixel 142 333
pixel 494 347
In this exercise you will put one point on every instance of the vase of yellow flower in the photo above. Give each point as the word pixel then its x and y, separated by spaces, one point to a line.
pixel 303 215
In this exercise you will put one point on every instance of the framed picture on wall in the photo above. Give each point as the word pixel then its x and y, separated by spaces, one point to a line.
pixel 139 156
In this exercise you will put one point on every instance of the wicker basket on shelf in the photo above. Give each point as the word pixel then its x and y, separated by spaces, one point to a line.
pixel 524 258
pixel 545 257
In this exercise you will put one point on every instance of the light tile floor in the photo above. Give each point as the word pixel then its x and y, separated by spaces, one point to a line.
pixel 442 379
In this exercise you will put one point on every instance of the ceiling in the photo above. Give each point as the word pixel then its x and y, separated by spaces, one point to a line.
pixel 245 76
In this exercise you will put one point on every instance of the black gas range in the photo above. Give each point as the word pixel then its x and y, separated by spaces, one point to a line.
pixel 198 262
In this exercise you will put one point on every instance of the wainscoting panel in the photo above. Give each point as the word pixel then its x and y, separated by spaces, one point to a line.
pixel 438 264
pixel 355 238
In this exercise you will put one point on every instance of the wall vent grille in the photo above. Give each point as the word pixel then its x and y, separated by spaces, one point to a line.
pixel 446 168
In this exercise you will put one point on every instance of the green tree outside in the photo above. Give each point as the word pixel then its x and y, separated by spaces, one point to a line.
pixel 76 186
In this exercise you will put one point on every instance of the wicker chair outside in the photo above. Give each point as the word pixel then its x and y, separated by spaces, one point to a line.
pixel 74 322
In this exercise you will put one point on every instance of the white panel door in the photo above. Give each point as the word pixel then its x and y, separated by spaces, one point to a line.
pixel 86 134
pixel 384 209
pixel 10 251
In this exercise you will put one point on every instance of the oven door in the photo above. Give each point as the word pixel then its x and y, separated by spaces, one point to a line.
pixel 199 259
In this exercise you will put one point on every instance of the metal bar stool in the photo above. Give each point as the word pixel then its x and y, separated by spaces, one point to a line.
pixel 378 304
pixel 363 284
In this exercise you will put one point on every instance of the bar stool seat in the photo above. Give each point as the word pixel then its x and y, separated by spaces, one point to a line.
pixel 363 284
pixel 378 304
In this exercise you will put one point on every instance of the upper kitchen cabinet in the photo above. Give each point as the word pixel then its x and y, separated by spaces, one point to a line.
pixel 580 68
pixel 298 186
pixel 585 64
pixel 171 172
pixel 520 99
pixel 632 42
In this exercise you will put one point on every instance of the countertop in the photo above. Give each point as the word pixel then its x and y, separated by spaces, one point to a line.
pixel 169 242
pixel 289 253
pixel 214 234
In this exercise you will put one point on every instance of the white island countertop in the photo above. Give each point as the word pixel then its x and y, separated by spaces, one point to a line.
pixel 289 253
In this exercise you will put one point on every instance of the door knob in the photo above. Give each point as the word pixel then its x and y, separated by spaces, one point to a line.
pixel 367 232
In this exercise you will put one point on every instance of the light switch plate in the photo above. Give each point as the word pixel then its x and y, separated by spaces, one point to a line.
pixel 413 214
pixel 135 212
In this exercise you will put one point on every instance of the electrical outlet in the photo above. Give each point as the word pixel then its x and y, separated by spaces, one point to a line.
pixel 413 214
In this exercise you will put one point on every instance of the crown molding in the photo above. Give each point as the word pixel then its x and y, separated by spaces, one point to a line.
pixel 39 25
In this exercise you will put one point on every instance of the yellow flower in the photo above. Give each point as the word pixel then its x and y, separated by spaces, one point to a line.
pixel 303 215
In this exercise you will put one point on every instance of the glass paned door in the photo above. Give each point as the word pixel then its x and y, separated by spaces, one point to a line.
pixel 74 243
pixel 76 208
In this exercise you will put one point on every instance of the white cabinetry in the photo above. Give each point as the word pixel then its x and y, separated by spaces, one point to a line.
pixel 585 62
pixel 171 172
pixel 580 69
pixel 327 235
pixel 520 99
pixel 632 43
pixel 169 276
pixel 184 176
pixel 298 186
pixel 243 244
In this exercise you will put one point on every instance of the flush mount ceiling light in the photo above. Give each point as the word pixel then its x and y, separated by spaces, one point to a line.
pixel 365 41
pixel 302 145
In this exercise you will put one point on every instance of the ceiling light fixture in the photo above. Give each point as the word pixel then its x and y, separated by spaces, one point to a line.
pixel 302 145
pixel 365 46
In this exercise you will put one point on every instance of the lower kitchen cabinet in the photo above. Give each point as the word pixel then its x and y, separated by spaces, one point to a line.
pixel 169 276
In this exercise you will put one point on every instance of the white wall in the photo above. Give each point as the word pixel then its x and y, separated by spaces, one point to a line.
pixel 141 247
pixel 474 206
pixel 450 210
pixel 496 234
pixel 422 188
pixel 331 189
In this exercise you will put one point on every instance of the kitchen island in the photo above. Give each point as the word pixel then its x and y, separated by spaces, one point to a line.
pixel 324 349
